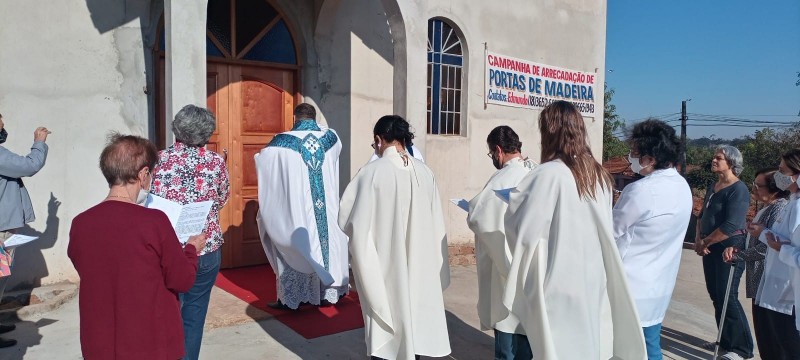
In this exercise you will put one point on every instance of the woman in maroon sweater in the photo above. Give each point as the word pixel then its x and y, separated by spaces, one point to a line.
pixel 131 264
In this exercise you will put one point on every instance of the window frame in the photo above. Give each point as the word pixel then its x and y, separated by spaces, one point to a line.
pixel 446 76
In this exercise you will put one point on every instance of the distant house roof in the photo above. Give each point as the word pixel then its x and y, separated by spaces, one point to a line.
pixel 619 165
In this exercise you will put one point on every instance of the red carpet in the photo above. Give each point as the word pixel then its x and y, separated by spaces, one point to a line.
pixel 256 286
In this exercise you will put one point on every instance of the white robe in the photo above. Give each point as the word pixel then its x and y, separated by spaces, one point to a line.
pixel 297 218
pixel 566 283
pixel 392 213
pixel 417 155
pixel 493 255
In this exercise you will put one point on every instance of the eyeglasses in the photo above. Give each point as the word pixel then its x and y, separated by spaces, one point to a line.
pixel 489 154
pixel 756 186
pixel 373 146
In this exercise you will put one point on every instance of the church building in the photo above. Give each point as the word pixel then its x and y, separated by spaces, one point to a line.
pixel 454 69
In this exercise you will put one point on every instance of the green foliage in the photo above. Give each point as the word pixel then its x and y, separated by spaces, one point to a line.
pixel 760 150
pixel 698 159
pixel 612 146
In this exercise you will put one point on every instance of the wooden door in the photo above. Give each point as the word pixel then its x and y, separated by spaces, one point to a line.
pixel 252 104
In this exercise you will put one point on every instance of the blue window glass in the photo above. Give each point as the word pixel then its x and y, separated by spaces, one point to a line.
pixel 445 72
pixel 276 46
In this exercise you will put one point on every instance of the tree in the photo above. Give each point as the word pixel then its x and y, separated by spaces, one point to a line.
pixel 612 146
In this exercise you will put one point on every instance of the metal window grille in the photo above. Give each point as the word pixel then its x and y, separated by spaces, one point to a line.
pixel 445 75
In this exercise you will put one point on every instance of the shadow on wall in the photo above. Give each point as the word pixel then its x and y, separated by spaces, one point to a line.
pixel 108 15
pixel 30 265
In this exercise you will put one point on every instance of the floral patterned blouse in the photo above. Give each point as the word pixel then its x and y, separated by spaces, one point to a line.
pixel 189 174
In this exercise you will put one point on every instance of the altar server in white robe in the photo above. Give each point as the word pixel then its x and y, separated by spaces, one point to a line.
pixel 650 222
pixel 486 215
pixel 392 212
pixel 566 283
pixel 298 195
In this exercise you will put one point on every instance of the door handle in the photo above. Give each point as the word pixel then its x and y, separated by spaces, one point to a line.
pixel 225 154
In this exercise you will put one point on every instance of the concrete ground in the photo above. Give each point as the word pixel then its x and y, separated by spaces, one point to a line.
pixel 236 330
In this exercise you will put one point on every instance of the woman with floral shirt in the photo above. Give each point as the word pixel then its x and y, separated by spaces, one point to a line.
pixel 187 173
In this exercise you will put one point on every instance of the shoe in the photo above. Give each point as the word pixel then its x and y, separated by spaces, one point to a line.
pixel 7 328
pixel 4 343
pixel 278 305
pixel 730 355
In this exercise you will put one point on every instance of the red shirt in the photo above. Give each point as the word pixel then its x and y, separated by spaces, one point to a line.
pixel 132 267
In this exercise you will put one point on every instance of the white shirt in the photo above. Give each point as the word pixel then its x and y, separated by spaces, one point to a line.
pixel 776 290
pixel 650 222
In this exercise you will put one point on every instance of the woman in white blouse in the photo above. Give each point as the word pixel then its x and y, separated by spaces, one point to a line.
pixel 650 222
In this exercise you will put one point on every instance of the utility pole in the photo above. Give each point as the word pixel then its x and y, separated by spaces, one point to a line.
pixel 683 137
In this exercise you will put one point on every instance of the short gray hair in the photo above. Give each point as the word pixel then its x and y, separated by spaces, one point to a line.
pixel 193 125
pixel 734 158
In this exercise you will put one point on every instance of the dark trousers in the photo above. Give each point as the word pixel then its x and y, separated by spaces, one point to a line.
pixel 736 335
pixel 776 335
pixel 511 346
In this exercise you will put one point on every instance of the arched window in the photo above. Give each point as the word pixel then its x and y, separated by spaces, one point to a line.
pixel 445 75
pixel 246 30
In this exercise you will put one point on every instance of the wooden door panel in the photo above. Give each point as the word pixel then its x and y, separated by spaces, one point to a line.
pixel 261 102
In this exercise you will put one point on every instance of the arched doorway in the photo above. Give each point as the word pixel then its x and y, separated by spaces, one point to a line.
pixel 252 87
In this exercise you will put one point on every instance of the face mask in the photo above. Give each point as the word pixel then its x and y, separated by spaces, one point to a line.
pixel 3 135
pixel 783 181
pixel 635 166
pixel 142 197
pixel 496 162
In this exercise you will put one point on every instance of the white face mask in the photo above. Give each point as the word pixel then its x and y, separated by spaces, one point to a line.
pixel 783 181
pixel 142 197
pixel 635 166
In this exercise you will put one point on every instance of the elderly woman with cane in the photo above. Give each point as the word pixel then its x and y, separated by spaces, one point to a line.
pixel 721 225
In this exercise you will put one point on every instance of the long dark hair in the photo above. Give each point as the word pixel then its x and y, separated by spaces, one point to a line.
pixel 564 138
pixel 394 127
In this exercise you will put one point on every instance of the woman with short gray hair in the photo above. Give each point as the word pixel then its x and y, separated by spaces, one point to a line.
pixel 722 225
pixel 188 173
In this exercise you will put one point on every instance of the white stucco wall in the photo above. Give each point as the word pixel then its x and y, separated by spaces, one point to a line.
pixel 568 34
pixel 77 67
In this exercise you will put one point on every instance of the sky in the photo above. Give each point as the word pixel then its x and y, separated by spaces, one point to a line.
pixel 733 58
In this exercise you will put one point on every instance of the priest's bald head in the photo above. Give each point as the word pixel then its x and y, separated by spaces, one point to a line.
pixel 304 112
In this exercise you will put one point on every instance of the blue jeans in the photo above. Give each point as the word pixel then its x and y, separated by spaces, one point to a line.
pixel 194 304
pixel 511 346
pixel 652 341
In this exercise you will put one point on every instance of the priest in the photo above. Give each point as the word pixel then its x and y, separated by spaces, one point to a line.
pixel 392 212
pixel 298 195
pixel 493 255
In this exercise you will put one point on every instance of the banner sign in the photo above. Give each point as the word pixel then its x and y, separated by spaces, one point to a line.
pixel 530 85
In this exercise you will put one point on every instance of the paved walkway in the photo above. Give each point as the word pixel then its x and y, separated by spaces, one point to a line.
pixel 238 331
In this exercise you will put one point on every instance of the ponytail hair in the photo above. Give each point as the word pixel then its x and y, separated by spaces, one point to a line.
pixel 394 128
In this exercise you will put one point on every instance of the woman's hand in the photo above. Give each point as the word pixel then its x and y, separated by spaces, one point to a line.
pixel 199 241
pixel 755 229
pixel 773 242
pixel 728 254
pixel 701 247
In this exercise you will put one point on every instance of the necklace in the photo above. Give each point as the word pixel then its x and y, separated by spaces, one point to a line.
pixel 119 197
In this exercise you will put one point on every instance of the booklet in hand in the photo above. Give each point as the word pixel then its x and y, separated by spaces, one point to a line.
pixel 187 220
pixel 504 194
pixel 461 203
